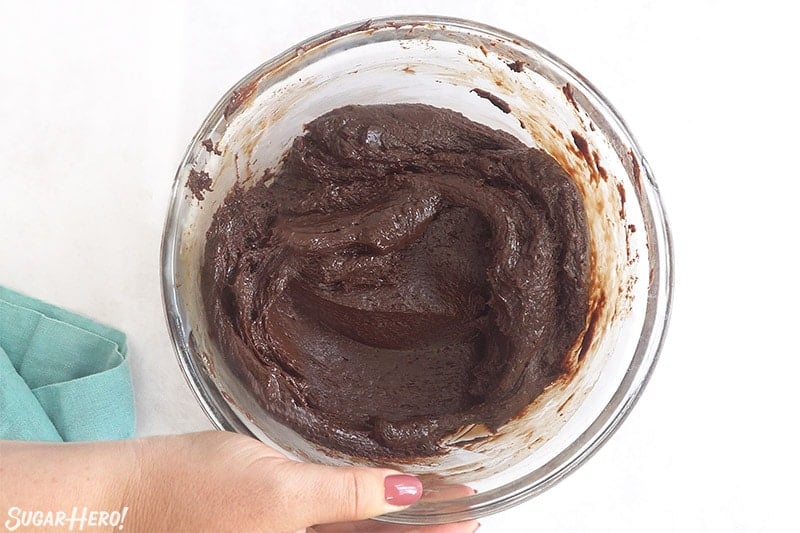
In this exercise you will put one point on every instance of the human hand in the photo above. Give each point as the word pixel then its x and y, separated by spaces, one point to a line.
pixel 211 481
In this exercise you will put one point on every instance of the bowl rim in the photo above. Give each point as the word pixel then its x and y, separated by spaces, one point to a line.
pixel 658 307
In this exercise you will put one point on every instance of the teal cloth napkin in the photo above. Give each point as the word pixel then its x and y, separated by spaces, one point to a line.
pixel 63 377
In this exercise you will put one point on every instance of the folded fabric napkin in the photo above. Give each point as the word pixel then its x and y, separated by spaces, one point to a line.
pixel 63 377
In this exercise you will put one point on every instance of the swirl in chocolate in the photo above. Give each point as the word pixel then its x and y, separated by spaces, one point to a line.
pixel 407 272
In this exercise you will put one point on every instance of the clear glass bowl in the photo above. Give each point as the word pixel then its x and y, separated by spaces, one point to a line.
pixel 439 61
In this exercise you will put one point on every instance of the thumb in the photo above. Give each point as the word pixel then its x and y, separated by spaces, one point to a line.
pixel 317 494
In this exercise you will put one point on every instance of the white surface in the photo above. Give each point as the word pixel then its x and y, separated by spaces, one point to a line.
pixel 98 102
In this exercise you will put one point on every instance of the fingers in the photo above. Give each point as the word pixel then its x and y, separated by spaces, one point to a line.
pixel 316 494
pixel 442 493
pixel 371 526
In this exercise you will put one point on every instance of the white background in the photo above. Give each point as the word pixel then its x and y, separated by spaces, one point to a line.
pixel 98 102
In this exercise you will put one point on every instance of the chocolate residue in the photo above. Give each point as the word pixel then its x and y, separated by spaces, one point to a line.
pixel 516 66
pixel 498 102
pixel 621 189
pixel 410 25
pixel 637 171
pixel 567 90
pixel 239 96
pixel 582 146
pixel 208 144
pixel 632 228
pixel 565 402
pixel 406 274
pixel 361 27
pixel 594 318
pixel 591 157
pixel 600 167
pixel 198 183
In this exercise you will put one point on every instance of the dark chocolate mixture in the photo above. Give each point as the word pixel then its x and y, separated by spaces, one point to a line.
pixel 407 273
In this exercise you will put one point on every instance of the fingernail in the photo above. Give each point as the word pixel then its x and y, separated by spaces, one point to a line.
pixel 402 490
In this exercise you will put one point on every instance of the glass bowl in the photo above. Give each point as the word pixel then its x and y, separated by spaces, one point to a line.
pixel 527 92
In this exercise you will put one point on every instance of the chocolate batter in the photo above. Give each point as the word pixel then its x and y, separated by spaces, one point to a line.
pixel 406 273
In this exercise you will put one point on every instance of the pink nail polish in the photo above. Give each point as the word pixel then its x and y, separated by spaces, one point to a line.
pixel 402 490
